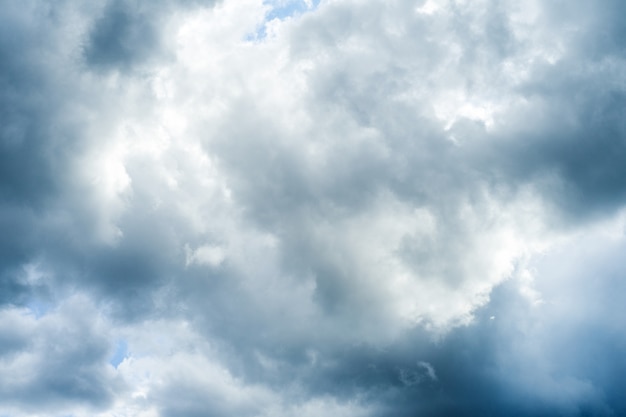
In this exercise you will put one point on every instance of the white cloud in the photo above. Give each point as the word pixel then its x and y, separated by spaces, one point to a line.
pixel 244 201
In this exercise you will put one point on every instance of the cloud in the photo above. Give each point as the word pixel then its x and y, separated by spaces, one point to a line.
pixel 121 36
pixel 333 208
pixel 57 361
pixel 126 35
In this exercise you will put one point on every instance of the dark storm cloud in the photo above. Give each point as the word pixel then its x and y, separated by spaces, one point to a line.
pixel 30 99
pixel 129 33
pixel 124 35
pixel 577 134
pixel 571 133
pixel 585 164
pixel 560 357
pixel 36 139
pixel 515 359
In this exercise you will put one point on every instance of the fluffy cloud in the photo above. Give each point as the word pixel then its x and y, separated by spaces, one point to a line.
pixel 311 208
pixel 56 362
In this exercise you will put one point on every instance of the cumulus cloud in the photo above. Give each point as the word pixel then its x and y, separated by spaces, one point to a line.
pixel 273 208
pixel 56 362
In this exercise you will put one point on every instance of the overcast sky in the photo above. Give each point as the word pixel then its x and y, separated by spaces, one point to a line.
pixel 308 208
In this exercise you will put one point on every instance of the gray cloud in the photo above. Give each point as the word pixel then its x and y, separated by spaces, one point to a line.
pixel 125 35
pixel 373 209
pixel 57 361
pixel 121 37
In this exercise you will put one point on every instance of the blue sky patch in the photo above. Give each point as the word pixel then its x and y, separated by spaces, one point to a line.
pixel 38 308
pixel 282 10
pixel 121 353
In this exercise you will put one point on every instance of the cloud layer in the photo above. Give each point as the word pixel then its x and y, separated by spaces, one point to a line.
pixel 247 208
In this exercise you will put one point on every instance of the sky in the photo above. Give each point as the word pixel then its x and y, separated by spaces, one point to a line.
pixel 307 208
